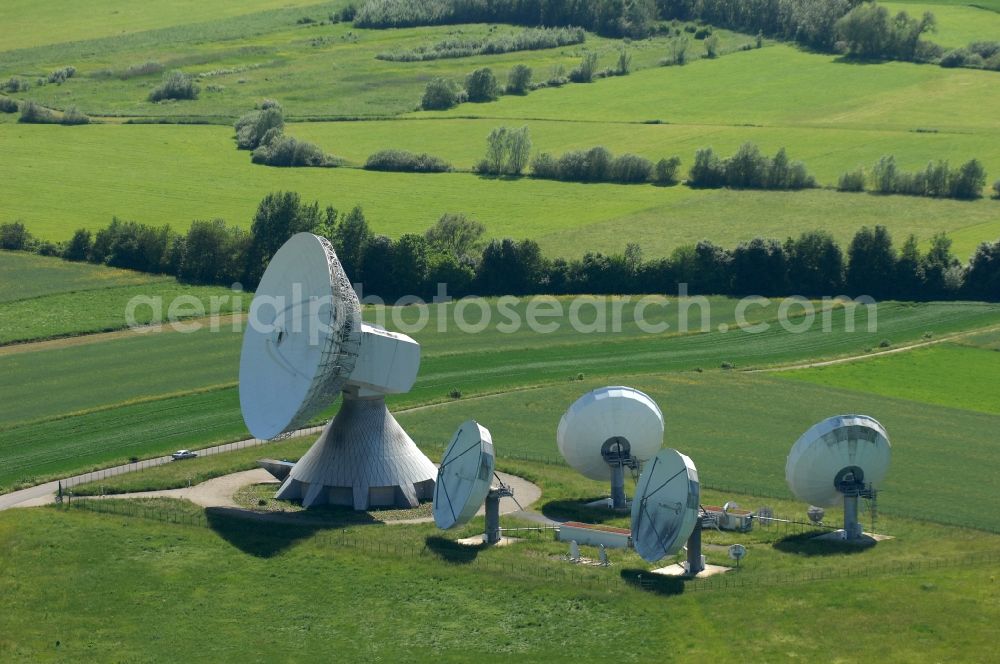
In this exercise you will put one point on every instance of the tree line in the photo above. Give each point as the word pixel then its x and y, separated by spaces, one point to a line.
pixel 453 251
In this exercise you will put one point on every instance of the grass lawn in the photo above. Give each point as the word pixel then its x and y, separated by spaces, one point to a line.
pixel 163 591
pixel 946 375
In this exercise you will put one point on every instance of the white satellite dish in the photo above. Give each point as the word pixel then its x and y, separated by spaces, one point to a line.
pixel 665 511
pixel 737 552
pixel 607 430
pixel 465 480
pixel 304 346
pixel 841 458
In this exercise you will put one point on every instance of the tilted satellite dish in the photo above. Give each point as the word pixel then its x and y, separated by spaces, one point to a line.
pixel 303 347
pixel 841 458
pixel 607 430
pixel 666 509
pixel 465 480
pixel 737 552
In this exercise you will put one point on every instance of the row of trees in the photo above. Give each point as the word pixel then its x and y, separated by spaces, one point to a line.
pixel 482 84
pixel 456 47
pixel 937 180
pixel 453 252
pixel 599 165
pixel 614 18
pixel 748 169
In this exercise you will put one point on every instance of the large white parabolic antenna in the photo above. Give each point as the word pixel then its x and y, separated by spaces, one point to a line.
pixel 608 429
pixel 304 346
pixel 841 458
pixel 465 481
pixel 666 508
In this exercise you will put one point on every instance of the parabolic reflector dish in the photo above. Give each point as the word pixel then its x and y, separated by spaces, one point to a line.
pixel 302 338
pixel 464 477
pixel 665 509
pixel 619 418
pixel 838 449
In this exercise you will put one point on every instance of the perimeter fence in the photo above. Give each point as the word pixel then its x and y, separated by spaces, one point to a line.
pixel 143 464
pixel 266 537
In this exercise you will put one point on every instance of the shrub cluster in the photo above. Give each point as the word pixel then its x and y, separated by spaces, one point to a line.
pixel 519 80
pixel 175 85
pixel 527 40
pixel 978 55
pixel 748 169
pixel 145 69
pixel 252 127
pixel 481 85
pixel 36 114
pixel 442 94
pixel 869 31
pixel 60 75
pixel 15 84
pixel 407 162
pixel 73 116
pixel 276 149
pixel 8 105
pixel 613 18
pixel 937 180
pixel 595 165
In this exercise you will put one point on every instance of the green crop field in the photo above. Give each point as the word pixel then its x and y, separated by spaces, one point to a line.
pixel 56 424
pixel 959 24
pixel 940 375
pixel 24 276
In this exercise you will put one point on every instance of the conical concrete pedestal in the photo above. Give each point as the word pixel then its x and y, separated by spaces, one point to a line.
pixel 364 459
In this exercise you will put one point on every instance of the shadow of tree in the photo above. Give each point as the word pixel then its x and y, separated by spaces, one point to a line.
pixel 451 551
pixel 806 544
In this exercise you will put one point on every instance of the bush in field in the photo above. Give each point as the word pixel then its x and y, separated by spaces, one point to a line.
pixel 624 65
pixel 711 44
pixel 276 149
pixel 749 169
pixel 15 84
pixel 35 114
pixel 519 80
pixel 707 171
pixel 175 85
pixel 507 152
pixel 584 72
pixel 403 161
pixel 144 69
pixel 441 94
pixel 251 128
pixel 996 189
pixel 665 171
pixel 852 181
pixel 73 116
pixel 60 75
pixel 8 105
pixel 481 85
pixel 14 237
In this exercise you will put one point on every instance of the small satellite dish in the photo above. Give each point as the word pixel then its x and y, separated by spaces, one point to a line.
pixel 765 515
pixel 815 514
pixel 304 347
pixel 665 511
pixel 464 477
pixel 737 552
pixel 465 480
pixel 607 430
pixel 841 458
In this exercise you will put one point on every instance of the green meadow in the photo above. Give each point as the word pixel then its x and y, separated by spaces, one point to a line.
pixel 156 174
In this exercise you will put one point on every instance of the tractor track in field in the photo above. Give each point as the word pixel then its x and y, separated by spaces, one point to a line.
pixel 874 354
pixel 99 337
